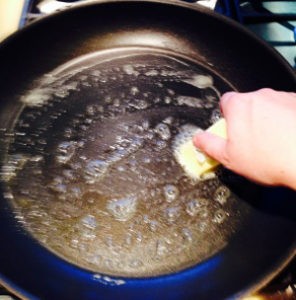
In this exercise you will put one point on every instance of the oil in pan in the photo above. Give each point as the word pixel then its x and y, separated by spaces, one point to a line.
pixel 91 172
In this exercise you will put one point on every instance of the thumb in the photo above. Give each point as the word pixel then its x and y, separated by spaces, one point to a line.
pixel 212 145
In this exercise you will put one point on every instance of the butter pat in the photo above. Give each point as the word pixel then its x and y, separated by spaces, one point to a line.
pixel 195 163
pixel 219 128
pixel 10 16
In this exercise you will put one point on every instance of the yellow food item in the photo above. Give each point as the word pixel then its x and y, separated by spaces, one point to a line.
pixel 195 163
pixel 10 16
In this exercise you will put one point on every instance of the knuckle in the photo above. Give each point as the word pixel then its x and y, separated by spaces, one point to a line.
pixel 227 99
pixel 265 91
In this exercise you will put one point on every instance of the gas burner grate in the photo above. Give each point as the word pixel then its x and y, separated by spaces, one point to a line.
pixel 273 21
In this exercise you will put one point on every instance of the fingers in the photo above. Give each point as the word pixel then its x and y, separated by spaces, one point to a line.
pixel 212 145
pixel 225 102
pixel 235 108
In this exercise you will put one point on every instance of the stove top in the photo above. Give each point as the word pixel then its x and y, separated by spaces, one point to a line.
pixel 273 21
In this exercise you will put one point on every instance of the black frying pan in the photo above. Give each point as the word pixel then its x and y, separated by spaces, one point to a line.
pixel 71 84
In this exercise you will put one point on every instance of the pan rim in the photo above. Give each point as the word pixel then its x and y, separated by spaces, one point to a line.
pixel 293 251
pixel 176 3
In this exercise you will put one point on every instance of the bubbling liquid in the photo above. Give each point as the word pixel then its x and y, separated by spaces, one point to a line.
pixel 90 170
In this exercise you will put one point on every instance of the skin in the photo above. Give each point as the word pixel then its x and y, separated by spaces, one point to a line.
pixel 261 130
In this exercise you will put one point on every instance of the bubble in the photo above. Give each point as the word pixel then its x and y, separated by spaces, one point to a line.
pixel 8 195
pixel 65 151
pixel 171 192
pixel 37 97
pixel 149 135
pixel 88 121
pixel 151 73
pixel 42 142
pixel 221 194
pixel 103 79
pixel 95 259
pixel 37 213
pixel 167 100
pixel 215 116
pixel 189 101
pixel 202 226
pixel 108 99
pixel 129 70
pixel 139 237
pixel 15 163
pixel 94 170
pixel 172 213
pixel 171 92
pixel 58 185
pixel 121 168
pixel 75 192
pixel 193 207
pixel 203 213
pixel 136 263
pixel 161 248
pixel 88 235
pixel 212 96
pixel 116 102
pixel 153 225
pixel 157 100
pixel 163 131
pixel 74 243
pixel 93 109
pixel 73 86
pixel 134 91
pixel 139 104
pixel 96 73
pixel 69 174
pixel 147 160
pixel 128 239
pixel 219 216
pixel 61 93
pixel 68 132
pixel 168 120
pixel 202 81
pixel 108 241
pixel 122 209
pixel 145 124
pixel 108 263
pixel 208 175
pixel 160 144
pixel 187 234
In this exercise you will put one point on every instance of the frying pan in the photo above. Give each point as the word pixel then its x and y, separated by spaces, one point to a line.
pixel 162 50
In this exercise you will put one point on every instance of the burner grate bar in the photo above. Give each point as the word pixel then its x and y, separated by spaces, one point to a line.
pixel 253 18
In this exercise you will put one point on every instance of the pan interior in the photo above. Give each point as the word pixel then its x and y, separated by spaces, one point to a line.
pixel 90 171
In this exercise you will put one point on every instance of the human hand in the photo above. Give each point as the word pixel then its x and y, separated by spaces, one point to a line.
pixel 261 130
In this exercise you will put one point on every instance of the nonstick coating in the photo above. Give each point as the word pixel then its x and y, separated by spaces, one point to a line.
pixel 262 246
